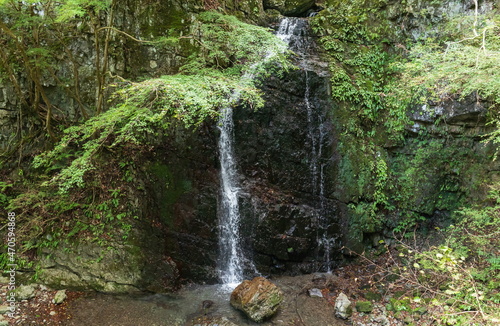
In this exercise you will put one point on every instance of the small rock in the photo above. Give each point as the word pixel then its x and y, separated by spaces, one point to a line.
pixel 59 297
pixel 343 306
pixel 43 287
pixel 258 299
pixel 408 320
pixel 25 292
pixel 52 313
pixel 364 306
pixel 315 293
pixel 207 304
pixel 381 319
pixel 4 309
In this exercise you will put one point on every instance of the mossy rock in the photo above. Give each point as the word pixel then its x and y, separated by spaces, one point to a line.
pixel 373 296
pixel 364 306
pixel 290 7
pixel 259 298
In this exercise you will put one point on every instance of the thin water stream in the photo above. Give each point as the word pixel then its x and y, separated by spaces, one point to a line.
pixel 231 256
pixel 232 262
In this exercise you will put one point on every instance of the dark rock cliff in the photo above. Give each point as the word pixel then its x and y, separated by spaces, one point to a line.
pixel 299 200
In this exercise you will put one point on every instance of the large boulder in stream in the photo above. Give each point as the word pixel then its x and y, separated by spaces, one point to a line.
pixel 259 298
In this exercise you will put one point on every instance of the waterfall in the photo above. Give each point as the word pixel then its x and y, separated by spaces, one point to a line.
pixel 316 133
pixel 294 32
pixel 231 262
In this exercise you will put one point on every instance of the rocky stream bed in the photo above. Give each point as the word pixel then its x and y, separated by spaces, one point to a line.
pixel 309 300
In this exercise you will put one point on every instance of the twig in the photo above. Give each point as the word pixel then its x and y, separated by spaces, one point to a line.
pixel 124 33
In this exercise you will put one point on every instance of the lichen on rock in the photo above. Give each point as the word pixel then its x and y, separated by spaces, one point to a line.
pixel 259 298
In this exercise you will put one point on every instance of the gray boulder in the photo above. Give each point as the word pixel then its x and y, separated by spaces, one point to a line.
pixel 343 306
pixel 25 292
pixel 315 293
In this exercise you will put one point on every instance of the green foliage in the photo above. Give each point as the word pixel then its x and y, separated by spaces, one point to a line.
pixel 427 179
pixel 224 42
pixel 465 299
pixel 143 111
pixel 353 34
pixel 462 274
pixel 363 217
pixel 70 9
pixel 376 84
pixel 476 231
pixel 460 63
pixel 37 39
pixel 438 72
pixel 4 197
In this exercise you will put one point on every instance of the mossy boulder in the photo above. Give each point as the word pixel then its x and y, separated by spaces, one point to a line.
pixel 117 268
pixel 25 292
pixel 259 298
pixel 59 297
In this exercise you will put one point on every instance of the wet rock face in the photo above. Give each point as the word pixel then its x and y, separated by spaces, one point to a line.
pixel 287 161
pixel 182 192
pixel 275 142
pixel 259 298
pixel 290 7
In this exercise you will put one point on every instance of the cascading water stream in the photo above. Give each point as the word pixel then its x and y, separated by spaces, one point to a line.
pixel 232 262
pixel 231 266
pixel 293 32
pixel 316 133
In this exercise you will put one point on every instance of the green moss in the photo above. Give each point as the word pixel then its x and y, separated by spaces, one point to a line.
pixel 168 17
pixel 364 306
pixel 373 296
pixel 428 172
pixel 168 188
pixel 275 299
